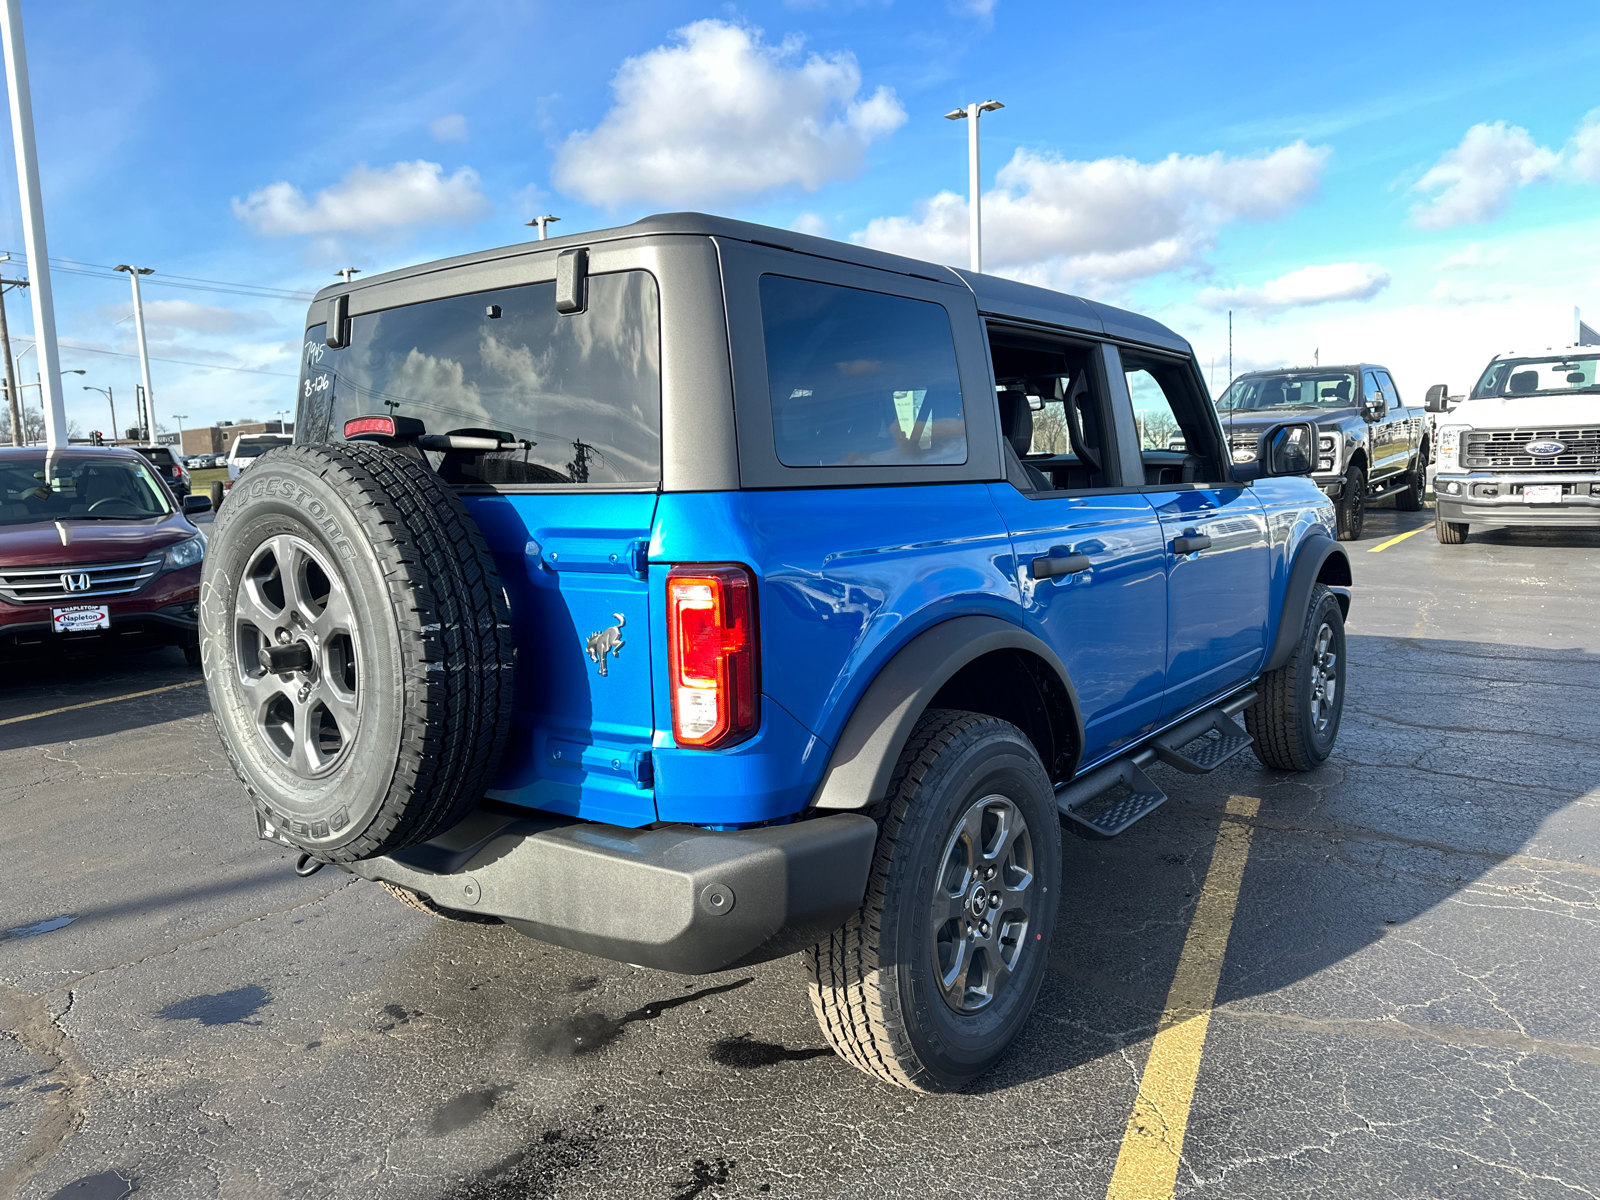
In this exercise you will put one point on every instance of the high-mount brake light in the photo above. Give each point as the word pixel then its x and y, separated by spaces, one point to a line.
pixel 359 425
pixel 713 654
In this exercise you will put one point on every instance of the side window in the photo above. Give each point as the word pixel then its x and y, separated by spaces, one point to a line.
pixel 1176 440
pixel 1053 413
pixel 1370 388
pixel 859 378
pixel 1390 392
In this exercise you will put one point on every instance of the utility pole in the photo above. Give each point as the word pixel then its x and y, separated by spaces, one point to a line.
pixel 141 418
pixel 13 395
pixel 144 350
pixel 44 311
pixel 541 222
pixel 111 400
pixel 970 115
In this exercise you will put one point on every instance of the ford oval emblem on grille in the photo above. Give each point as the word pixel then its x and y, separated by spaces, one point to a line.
pixel 1545 447
pixel 76 583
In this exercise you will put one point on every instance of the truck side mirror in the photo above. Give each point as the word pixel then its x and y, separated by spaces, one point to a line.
pixel 1438 399
pixel 1374 408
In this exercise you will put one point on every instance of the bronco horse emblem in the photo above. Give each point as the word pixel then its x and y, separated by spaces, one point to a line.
pixel 607 641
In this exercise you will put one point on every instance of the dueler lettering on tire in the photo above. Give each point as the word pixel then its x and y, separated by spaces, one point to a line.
pixel 357 648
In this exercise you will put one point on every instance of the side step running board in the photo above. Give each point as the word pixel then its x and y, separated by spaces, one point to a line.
pixel 1108 800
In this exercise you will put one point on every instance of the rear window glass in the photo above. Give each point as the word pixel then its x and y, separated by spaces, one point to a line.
pixel 860 379
pixel 246 449
pixel 160 457
pixel 580 395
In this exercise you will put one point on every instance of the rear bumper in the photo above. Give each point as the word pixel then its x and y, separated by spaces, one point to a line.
pixel 1459 498
pixel 676 898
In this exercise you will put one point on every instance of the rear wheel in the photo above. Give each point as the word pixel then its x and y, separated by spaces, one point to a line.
pixel 1416 490
pixel 1296 720
pixel 357 651
pixel 1351 512
pixel 1450 533
pixel 927 985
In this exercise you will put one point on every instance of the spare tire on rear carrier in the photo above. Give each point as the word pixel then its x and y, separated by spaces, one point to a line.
pixel 357 648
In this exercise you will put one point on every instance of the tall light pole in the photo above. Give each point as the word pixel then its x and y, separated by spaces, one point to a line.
pixel 144 350
pixel 970 115
pixel 180 418
pixel 541 222
pixel 111 400
pixel 44 311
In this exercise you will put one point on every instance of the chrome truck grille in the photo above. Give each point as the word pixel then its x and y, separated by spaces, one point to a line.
pixel 1506 449
pixel 40 585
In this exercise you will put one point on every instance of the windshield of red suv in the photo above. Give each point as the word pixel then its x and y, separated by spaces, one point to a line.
pixel 78 488
pixel 1290 389
pixel 1547 376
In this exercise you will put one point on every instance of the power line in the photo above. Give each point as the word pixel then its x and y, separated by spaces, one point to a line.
pixel 186 282
pixel 182 362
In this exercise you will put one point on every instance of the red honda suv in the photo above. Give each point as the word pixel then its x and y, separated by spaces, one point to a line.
pixel 94 548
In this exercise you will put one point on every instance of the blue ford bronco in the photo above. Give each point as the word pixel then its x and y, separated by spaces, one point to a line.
pixel 694 593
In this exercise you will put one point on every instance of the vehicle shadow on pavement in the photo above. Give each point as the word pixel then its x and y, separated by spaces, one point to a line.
pixel 40 686
pixel 1428 790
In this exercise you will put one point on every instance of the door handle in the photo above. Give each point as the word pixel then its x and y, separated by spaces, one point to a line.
pixel 1191 543
pixel 1050 566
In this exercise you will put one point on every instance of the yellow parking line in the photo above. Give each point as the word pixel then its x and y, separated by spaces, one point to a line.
pixel 1401 538
pixel 1152 1147
pixel 50 712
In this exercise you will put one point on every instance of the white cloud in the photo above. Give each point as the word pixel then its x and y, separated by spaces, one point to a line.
pixel 452 128
pixel 1583 151
pixel 368 199
pixel 812 223
pixel 982 9
pixel 720 115
pixel 1308 286
pixel 1473 257
pixel 1474 181
pixel 1475 291
pixel 1065 223
pixel 185 314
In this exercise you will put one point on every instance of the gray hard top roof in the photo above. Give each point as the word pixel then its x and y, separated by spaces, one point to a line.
pixel 1356 368
pixel 1004 299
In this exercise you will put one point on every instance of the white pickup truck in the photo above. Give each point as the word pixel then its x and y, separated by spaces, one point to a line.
pixel 1523 448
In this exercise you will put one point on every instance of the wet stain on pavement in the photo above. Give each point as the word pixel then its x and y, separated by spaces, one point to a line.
pixel 582 983
pixel 399 1015
pixel 107 1185
pixel 34 930
pixel 465 1109
pixel 745 1053
pixel 586 1032
pixel 701 1176
pixel 223 1008
pixel 535 1172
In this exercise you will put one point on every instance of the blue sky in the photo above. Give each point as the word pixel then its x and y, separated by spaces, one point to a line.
pixel 1417 185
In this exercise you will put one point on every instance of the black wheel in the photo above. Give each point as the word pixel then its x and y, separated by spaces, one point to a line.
pixel 217 492
pixel 1416 490
pixel 423 903
pixel 1296 720
pixel 1450 533
pixel 357 648
pixel 191 652
pixel 1352 507
pixel 930 981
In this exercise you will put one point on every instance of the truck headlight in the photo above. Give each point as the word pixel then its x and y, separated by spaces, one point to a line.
pixel 1449 440
pixel 187 552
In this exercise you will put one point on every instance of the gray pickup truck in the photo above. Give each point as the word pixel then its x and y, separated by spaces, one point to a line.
pixel 1371 444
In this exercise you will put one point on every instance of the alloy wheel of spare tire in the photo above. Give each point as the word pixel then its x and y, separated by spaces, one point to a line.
pixel 1351 512
pixel 357 648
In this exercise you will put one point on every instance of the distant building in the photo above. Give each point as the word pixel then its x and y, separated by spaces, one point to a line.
pixel 219 438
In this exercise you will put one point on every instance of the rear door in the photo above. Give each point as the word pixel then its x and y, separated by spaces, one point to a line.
pixel 1089 562
pixel 566 505
pixel 1391 448
pixel 1215 538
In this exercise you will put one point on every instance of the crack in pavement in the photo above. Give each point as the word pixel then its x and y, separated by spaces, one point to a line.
pixel 28 1020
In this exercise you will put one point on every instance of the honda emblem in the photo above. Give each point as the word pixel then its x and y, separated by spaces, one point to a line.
pixel 76 583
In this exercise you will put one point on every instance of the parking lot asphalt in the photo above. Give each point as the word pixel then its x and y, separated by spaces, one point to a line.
pixel 1406 1007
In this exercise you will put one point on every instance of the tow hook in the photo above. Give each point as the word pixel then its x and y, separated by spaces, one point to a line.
pixel 305 866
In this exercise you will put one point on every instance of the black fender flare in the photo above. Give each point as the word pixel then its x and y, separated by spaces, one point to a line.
pixel 1315 550
pixel 868 748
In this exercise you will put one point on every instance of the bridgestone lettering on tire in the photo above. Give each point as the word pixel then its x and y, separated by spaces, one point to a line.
pixel 357 648
pixel 969 849
pixel 1296 720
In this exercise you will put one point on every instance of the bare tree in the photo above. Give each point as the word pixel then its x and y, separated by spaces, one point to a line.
pixel 1159 426
pixel 1050 431
pixel 32 426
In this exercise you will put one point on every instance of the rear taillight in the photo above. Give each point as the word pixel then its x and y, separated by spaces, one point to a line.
pixel 713 652
pixel 359 425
